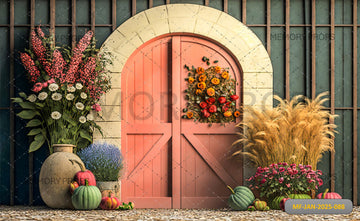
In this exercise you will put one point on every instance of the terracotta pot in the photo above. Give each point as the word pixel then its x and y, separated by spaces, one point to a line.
pixel 107 187
pixel 56 174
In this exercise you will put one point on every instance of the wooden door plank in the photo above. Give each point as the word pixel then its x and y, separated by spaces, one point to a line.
pixel 213 130
pixel 176 94
pixel 150 154
pixel 157 181
pixel 148 128
pixel 210 160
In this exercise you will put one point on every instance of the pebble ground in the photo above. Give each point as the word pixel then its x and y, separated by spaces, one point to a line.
pixel 44 213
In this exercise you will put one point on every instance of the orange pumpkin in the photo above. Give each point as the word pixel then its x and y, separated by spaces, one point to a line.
pixel 109 202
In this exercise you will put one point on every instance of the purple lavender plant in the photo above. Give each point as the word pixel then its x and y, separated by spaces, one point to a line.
pixel 104 160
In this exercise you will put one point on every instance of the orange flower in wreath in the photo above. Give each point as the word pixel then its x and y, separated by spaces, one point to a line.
pixel 201 85
pixel 217 69
pixel 198 91
pixel 211 92
pixel 202 78
pixel 189 115
pixel 225 75
pixel 227 114
pixel 200 70
pixel 237 114
pixel 191 80
pixel 215 81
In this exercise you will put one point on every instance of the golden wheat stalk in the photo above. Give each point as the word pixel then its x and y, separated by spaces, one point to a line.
pixel 296 131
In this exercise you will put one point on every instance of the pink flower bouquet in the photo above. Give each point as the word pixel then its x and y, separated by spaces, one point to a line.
pixel 66 87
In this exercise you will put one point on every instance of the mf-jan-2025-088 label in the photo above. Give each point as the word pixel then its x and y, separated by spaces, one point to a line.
pixel 318 206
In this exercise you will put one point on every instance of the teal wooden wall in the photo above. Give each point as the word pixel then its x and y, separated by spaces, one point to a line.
pixel 273 32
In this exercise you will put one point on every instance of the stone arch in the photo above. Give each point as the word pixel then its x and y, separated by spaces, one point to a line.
pixel 186 18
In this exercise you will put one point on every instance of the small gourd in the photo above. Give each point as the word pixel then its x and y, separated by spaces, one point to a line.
pixel 241 198
pixel 260 205
pixel 73 186
pixel 251 208
pixel 86 197
pixel 328 195
pixel 109 202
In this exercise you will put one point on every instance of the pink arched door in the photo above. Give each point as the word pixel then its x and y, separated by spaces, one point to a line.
pixel 174 162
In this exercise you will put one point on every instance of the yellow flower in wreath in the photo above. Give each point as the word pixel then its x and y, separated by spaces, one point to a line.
pixel 189 115
pixel 198 91
pixel 191 80
pixel 217 69
pixel 200 70
pixel 202 78
pixel 227 114
pixel 225 75
pixel 211 92
pixel 201 85
pixel 215 81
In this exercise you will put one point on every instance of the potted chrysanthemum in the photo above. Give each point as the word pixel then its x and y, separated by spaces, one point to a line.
pixel 66 87
pixel 106 162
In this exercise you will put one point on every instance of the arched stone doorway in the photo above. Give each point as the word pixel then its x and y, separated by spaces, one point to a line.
pixel 234 37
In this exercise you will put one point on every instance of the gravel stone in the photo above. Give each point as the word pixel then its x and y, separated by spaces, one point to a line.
pixel 45 213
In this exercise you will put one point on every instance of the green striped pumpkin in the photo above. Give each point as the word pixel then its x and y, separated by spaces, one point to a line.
pixel 241 198
pixel 275 203
pixel 299 196
pixel 86 197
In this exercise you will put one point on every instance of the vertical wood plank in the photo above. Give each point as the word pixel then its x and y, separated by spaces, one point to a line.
pixel 243 11
pixel 151 3
pixel 167 1
pixel 73 23
pixel 313 49
pixel 176 92
pixel 355 103
pixel 133 7
pixel 93 15
pixel 31 155
pixel 268 26
pixel 226 6
pixel 113 14
pixel 332 87
pixel 287 50
pixel 52 19
pixel 12 114
pixel 206 2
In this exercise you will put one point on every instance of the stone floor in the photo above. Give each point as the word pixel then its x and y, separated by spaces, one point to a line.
pixel 44 213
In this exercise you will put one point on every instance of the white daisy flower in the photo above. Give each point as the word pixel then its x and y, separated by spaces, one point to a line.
pixel 53 87
pixel 78 86
pixel 42 96
pixel 79 106
pixel 71 89
pixel 56 96
pixel 82 119
pixel 32 98
pixel 83 95
pixel 56 115
pixel 90 116
pixel 70 97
